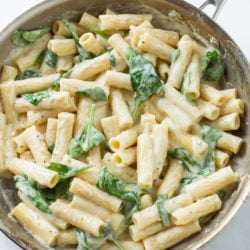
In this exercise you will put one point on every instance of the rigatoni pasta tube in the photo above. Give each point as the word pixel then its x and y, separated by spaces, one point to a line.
pixel 50 135
pixel 211 184
pixel 221 158
pixel 95 195
pixel 36 143
pixel 196 210
pixel 67 238
pixel 43 176
pixel 119 44
pixel 177 70
pixel 2 142
pixel 35 84
pixel 36 223
pixel 90 207
pixel 125 157
pixel 122 21
pixel 232 106
pixel 147 122
pixel 118 80
pixel 150 215
pixel 63 135
pixel 145 161
pixel 10 149
pixel 8 73
pixel 79 218
pixel 89 42
pixel 110 126
pixel 62 47
pixel 171 236
pixel 171 179
pixel 208 110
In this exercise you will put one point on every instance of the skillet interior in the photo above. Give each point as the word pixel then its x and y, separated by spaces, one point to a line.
pixel 237 73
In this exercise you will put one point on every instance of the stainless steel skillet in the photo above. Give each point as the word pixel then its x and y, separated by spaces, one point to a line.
pixel 193 21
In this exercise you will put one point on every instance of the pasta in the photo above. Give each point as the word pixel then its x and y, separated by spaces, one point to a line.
pixel 114 135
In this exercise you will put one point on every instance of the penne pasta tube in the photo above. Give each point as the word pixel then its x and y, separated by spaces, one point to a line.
pixel 146 201
pixel 155 46
pixel 63 135
pixel 163 69
pixel 147 123
pixel 57 100
pixel 119 44
pixel 118 80
pixel 145 161
pixel 127 174
pixel 89 175
pixel 90 43
pixel 43 176
pixel 62 47
pixel 221 158
pixel 166 36
pixel 212 95
pixel 229 93
pixel 120 109
pixel 125 157
pixel 196 210
pixel 150 214
pixel 67 238
pixel 2 142
pixel 177 70
pixel 94 157
pixel 110 126
pixel 208 110
pixel 122 21
pixel 91 67
pixel 95 195
pixel 227 122
pixel 90 207
pixel 59 28
pixel 78 218
pixel 232 106
pixel 87 20
pixel 10 149
pixel 36 223
pixel 160 147
pixel 64 64
pixel 171 179
pixel 171 236
pixel 36 143
pixel 50 135
pixel 229 142
pixel 8 93
pixel 211 184
pixel 8 73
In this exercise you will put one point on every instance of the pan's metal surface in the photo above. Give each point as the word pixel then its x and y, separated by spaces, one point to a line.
pixel 194 22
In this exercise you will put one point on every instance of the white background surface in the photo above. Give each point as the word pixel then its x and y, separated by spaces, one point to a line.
pixel 235 19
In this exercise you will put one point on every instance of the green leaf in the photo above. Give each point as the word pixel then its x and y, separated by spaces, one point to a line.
pixel 66 172
pixel 51 148
pixel 144 79
pixel 112 185
pixel 65 75
pixel 212 66
pixel 24 38
pixel 98 32
pixel 37 97
pixel 28 189
pixel 28 74
pixel 88 139
pixel 210 135
pixel 96 93
pixel 163 213
pixel 87 241
pixel 83 54
pixel 183 155
pixel 50 58
pixel 112 59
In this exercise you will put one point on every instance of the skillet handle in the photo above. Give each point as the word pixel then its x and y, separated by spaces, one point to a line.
pixel 218 4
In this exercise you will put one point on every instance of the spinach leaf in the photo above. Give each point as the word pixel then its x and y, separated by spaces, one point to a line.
pixel 37 97
pixel 144 79
pixel 212 66
pixel 112 185
pixel 66 172
pixel 24 38
pixel 88 139
pixel 65 75
pixel 200 175
pixel 83 54
pixel 28 74
pixel 49 57
pixel 51 148
pixel 98 32
pixel 174 56
pixel 87 241
pixel 210 135
pixel 29 189
pixel 96 93
pixel 183 155
pixel 112 59
pixel 163 213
